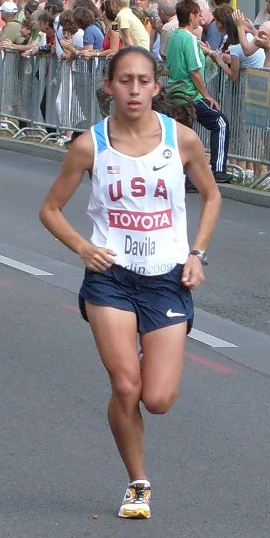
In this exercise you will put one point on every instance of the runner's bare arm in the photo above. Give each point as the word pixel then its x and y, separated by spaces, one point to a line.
pixel 78 160
pixel 194 159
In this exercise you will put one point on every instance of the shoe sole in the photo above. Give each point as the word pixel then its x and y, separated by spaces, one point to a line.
pixel 134 514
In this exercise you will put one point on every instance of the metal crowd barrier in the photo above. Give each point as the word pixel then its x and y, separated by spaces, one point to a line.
pixel 42 97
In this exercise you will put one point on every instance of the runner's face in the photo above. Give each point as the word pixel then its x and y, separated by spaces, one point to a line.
pixel 133 85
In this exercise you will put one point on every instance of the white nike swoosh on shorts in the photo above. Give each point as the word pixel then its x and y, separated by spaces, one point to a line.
pixel 171 314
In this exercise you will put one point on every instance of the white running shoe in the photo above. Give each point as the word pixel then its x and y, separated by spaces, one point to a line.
pixel 135 504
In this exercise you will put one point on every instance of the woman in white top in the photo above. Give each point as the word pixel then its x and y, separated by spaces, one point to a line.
pixel 231 62
pixel 237 59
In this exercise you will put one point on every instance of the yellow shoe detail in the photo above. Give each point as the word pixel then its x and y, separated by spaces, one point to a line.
pixel 135 504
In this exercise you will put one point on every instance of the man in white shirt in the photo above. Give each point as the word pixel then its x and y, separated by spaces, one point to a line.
pixel 167 14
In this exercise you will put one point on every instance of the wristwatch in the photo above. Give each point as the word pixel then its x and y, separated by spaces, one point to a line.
pixel 201 254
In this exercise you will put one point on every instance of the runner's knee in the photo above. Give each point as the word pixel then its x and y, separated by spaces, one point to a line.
pixel 159 403
pixel 127 390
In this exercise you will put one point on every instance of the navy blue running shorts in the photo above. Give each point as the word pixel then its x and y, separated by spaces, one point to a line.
pixel 157 301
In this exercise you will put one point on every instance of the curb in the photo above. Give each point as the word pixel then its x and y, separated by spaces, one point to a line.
pixel 233 192
pixel 245 195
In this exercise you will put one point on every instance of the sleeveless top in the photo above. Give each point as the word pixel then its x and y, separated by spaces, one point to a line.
pixel 137 204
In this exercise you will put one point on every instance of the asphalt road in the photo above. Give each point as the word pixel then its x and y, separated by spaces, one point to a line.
pixel 208 458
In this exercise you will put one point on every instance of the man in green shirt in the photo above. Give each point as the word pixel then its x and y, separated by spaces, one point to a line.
pixel 186 65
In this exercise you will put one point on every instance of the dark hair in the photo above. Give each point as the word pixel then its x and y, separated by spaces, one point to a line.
pixel 232 32
pixel 220 2
pixel 66 20
pixel 131 50
pixel 184 9
pixel 140 13
pixel 176 104
pixel 27 24
pixel 55 6
pixel 30 7
pixel 221 12
pixel 83 17
pixel 88 4
pixel 106 7
pixel 46 18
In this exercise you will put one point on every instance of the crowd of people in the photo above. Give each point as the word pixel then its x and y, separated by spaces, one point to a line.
pixel 193 40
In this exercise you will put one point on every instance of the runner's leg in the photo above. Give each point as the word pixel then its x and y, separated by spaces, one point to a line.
pixel 115 333
pixel 163 356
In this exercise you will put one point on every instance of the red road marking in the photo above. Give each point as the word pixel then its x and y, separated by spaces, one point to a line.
pixel 217 367
pixel 70 307
pixel 5 283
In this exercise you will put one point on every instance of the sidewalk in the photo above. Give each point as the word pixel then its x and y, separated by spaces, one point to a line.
pixel 234 192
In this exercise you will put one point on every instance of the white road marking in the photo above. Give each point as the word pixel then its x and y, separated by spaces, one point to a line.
pixel 208 339
pixel 23 267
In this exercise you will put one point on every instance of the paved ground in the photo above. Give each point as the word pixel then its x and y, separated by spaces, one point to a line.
pixel 207 459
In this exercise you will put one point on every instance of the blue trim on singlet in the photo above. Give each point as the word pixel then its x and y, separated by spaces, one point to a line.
pixel 99 130
pixel 169 130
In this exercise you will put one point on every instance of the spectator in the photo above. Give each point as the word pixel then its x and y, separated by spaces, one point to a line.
pixel 185 63
pixel 155 22
pixel 220 14
pixel 2 24
pixel 32 5
pixel 263 40
pixel 29 9
pixel 72 40
pixel 67 100
pixel 93 36
pixel 54 8
pixel 263 15
pixel 46 25
pixel 25 31
pixel 169 23
pixel 216 3
pixel 144 5
pixel 210 33
pixel 111 42
pixel 38 37
pixel 131 30
pixel 249 47
pixel 11 30
pixel 141 14
pixel 89 4
pixel 237 61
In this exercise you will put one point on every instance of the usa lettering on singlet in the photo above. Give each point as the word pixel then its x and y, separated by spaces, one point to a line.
pixel 137 204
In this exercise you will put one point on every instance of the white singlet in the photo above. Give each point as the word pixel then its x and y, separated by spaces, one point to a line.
pixel 137 204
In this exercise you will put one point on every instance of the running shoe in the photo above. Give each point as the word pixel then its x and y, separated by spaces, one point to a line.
pixel 135 504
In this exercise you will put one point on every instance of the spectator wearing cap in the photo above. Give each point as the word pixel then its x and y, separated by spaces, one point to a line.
pixel 2 24
pixel 11 30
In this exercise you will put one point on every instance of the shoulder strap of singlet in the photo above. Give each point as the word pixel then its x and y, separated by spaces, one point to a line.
pixel 169 128
pixel 98 132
